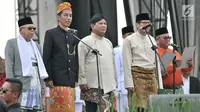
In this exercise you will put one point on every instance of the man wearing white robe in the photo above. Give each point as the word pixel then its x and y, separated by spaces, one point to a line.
pixel 140 63
pixel 23 61
pixel 121 92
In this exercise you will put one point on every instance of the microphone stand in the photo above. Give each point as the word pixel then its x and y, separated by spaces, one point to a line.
pixel 174 69
pixel 95 52
pixel 154 47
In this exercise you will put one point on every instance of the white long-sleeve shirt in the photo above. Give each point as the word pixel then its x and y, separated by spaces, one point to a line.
pixel 88 66
pixel 119 63
pixel 186 85
pixel 137 52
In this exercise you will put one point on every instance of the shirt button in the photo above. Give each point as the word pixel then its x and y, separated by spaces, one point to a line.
pixel 66 36
pixel 69 60
pixel 68 68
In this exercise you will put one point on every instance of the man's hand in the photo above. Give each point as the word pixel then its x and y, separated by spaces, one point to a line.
pixel 49 83
pixel 130 89
pixel 84 87
pixel 164 73
pixel 190 62
pixel 178 63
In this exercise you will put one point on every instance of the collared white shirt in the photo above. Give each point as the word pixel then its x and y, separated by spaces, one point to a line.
pixel 186 85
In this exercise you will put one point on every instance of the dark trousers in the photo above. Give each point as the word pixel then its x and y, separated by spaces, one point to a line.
pixel 90 106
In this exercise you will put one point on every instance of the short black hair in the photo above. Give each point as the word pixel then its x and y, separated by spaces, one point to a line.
pixel 96 18
pixel 60 13
pixel 16 84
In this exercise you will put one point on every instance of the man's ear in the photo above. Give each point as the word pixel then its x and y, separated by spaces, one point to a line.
pixel 92 26
pixel 16 94
pixel 20 30
pixel 137 25
pixel 58 17
pixel 157 38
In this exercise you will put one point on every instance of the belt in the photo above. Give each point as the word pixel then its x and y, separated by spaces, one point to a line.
pixel 34 64
pixel 171 87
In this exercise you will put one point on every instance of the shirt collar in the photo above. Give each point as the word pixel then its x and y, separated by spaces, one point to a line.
pixel 143 37
pixel 62 30
pixel 184 79
pixel 96 36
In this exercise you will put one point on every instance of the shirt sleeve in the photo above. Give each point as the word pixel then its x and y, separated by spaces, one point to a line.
pixel 47 51
pixel 115 69
pixel 117 63
pixel 82 51
pixel 9 59
pixel 127 61
pixel 158 67
pixel 114 61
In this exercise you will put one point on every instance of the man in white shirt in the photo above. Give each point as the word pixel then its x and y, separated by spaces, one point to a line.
pixel 191 85
pixel 88 75
pixel 186 85
pixel 121 92
pixel 139 63
pixel 23 61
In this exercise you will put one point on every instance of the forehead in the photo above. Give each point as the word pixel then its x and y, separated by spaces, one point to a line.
pixel 66 12
pixel 101 21
pixel 145 21
pixel 6 85
pixel 164 35
pixel 28 25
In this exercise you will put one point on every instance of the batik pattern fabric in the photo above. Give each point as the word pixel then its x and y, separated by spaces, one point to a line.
pixel 63 6
pixel 92 95
pixel 62 99
pixel 144 81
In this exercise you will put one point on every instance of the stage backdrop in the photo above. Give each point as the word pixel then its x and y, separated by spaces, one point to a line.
pixel 83 10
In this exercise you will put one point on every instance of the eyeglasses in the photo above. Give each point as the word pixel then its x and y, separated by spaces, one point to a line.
pixel 31 28
pixel 3 90
pixel 167 38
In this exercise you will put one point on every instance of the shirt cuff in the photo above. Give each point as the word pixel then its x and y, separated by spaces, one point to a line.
pixel 129 83
pixel 82 81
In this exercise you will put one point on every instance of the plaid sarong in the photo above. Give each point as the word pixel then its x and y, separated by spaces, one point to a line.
pixel 32 98
pixel 62 99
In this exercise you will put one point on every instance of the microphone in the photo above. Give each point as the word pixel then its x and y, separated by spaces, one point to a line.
pixel 72 31
pixel 173 45
pixel 145 27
